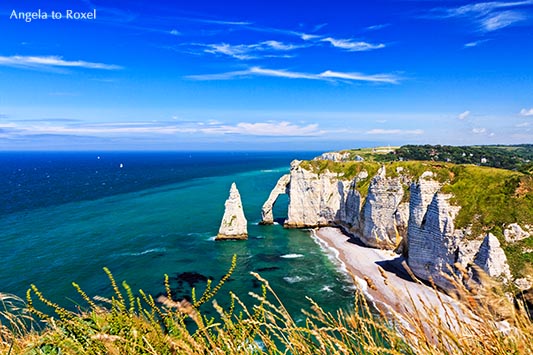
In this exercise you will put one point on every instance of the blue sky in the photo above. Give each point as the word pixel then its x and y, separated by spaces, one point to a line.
pixel 267 75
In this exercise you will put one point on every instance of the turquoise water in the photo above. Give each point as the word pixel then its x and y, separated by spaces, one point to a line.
pixel 167 229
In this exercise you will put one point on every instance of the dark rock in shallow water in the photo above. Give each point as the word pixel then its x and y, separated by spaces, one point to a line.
pixel 269 268
pixel 191 278
pixel 256 283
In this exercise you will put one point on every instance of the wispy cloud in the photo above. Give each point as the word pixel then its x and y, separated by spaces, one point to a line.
pixel 526 112
pixel 479 130
pixel 463 115
pixel 488 16
pixel 140 129
pixel 216 22
pixel 271 128
pixel 379 131
pixel 327 75
pixel 475 43
pixel 377 27
pixel 52 61
pixel 352 45
pixel 502 20
pixel 249 51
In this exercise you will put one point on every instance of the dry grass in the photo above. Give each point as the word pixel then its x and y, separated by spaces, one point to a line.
pixel 129 324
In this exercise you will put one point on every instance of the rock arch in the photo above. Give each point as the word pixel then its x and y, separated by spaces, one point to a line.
pixel 282 187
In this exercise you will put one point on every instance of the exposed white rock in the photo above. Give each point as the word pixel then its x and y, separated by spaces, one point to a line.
pixel 491 258
pixel 523 283
pixel 334 156
pixel 234 224
pixel 318 199
pixel 381 216
pixel 281 187
pixel 421 195
pixel 433 246
pixel 363 174
pixel 468 249
pixel 514 233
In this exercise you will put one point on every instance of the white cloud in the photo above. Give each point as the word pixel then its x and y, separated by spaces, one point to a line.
pixel 351 45
pixel 377 27
pixel 378 78
pixel 139 129
pixel 501 20
pixel 281 129
pixel 51 61
pixel 475 43
pixel 480 130
pixel 484 8
pixel 102 129
pixel 526 112
pixel 463 115
pixel 395 131
pixel 523 124
pixel 489 16
pixel 249 51
pixel 175 32
pixel 307 37
pixel 327 75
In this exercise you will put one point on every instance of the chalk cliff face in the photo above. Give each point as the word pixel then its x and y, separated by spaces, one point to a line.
pixel 434 245
pixel 317 199
pixel 425 223
pixel 234 224
pixel 421 195
pixel 383 216
pixel 492 259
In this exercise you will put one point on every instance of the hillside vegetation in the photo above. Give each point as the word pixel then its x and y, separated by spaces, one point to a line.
pixel 510 157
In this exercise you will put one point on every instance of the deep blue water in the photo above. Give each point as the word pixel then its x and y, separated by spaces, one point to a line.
pixel 64 216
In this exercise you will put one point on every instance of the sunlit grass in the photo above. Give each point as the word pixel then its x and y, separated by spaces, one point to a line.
pixel 131 324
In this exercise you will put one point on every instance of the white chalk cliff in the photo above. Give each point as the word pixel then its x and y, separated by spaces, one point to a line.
pixel 492 259
pixel 424 220
pixel 234 224
pixel 383 215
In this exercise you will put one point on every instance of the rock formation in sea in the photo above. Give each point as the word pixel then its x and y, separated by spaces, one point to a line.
pixel 281 187
pixel 381 209
pixel 234 224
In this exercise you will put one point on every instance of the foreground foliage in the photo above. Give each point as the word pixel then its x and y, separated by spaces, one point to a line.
pixel 129 324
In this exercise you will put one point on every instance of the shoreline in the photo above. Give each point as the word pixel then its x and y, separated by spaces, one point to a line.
pixel 396 293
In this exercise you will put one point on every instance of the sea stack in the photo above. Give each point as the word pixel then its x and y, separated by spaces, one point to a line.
pixel 234 224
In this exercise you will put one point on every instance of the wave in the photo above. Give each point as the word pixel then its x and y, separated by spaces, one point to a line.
pixel 147 251
pixel 295 279
pixel 326 288
pixel 334 255
pixel 292 256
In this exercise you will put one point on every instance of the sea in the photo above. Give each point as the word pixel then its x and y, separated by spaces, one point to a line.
pixel 64 216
